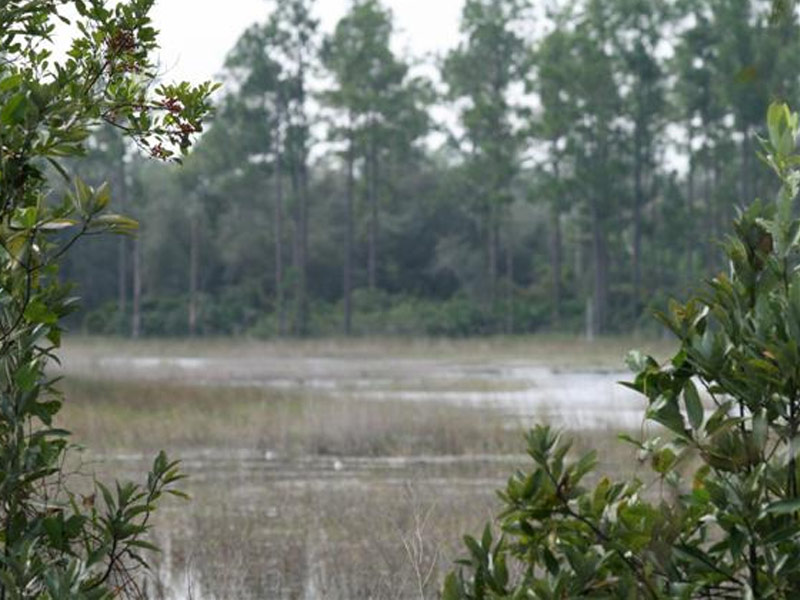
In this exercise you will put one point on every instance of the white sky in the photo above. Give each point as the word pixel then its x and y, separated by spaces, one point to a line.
pixel 197 34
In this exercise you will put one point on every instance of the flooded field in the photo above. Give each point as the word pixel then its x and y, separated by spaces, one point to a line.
pixel 333 471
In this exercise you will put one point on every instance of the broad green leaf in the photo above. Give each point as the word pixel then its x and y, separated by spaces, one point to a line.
pixel 694 406
pixel 13 111
pixel 11 82
pixel 783 507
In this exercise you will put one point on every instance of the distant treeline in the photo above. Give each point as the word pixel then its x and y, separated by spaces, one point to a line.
pixel 585 164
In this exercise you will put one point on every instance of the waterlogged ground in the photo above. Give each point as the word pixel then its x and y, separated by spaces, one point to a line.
pixel 582 396
pixel 334 470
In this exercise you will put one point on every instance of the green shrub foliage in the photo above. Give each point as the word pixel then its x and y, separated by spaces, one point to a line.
pixel 727 523
pixel 55 543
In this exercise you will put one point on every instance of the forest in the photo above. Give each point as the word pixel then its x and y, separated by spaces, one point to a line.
pixel 568 168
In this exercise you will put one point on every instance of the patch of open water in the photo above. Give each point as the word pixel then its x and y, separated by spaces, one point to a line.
pixel 577 399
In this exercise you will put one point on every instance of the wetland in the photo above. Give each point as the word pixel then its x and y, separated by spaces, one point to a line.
pixel 334 469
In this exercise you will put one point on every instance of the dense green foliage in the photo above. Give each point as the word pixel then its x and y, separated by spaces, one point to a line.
pixel 723 522
pixel 563 177
pixel 55 543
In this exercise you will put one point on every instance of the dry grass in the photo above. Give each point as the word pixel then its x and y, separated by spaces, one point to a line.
pixel 302 494
pixel 300 543
pixel 556 351
pixel 121 416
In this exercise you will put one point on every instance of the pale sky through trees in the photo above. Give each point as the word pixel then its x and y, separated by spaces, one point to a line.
pixel 197 34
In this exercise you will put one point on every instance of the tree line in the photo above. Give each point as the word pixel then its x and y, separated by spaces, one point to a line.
pixel 561 169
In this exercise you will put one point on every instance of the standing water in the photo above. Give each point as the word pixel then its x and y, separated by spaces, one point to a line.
pixel 328 475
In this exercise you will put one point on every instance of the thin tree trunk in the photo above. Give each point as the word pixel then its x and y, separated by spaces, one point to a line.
pixel 299 242
pixel 299 246
pixel 745 181
pixel 710 216
pixel 299 160
pixel 372 187
pixel 136 317
pixel 122 248
pixel 193 273
pixel 348 238
pixel 555 252
pixel 717 212
pixel 690 236
pixel 296 243
pixel 510 277
pixel 280 292
pixel 491 247
pixel 302 275
pixel 600 251
pixel 637 222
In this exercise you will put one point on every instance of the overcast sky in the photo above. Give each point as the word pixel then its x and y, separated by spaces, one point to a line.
pixel 197 34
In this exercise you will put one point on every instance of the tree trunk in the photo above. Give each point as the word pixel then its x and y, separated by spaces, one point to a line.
pixel 193 273
pixel 372 191
pixel 136 317
pixel 347 281
pixel 710 216
pixel 299 170
pixel 689 231
pixel 600 251
pixel 280 292
pixel 717 211
pixel 510 278
pixel 556 263
pixel 491 250
pixel 296 243
pixel 637 221
pixel 122 249
pixel 301 249
pixel 299 245
pixel 555 252
pixel 304 272
pixel 745 182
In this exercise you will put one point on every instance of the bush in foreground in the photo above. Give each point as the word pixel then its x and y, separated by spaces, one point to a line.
pixel 729 402
pixel 54 543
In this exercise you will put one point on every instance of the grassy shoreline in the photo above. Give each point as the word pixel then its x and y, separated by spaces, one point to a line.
pixel 548 350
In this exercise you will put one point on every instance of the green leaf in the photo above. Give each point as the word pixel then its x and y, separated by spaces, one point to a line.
pixel 486 540
pixel 694 406
pixel 624 437
pixel 38 312
pixel 115 223
pixel 783 507
pixel 475 548
pixel 102 198
pixel 637 361
pixel 13 112
pixel 451 588
pixel 11 82
pixel 665 411
pixel 58 224
pixel 760 430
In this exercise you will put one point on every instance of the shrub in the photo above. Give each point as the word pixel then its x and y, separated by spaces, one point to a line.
pixel 731 527
pixel 53 542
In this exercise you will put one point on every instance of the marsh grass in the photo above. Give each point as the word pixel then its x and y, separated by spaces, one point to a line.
pixel 298 493
pixel 550 350
pixel 130 416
